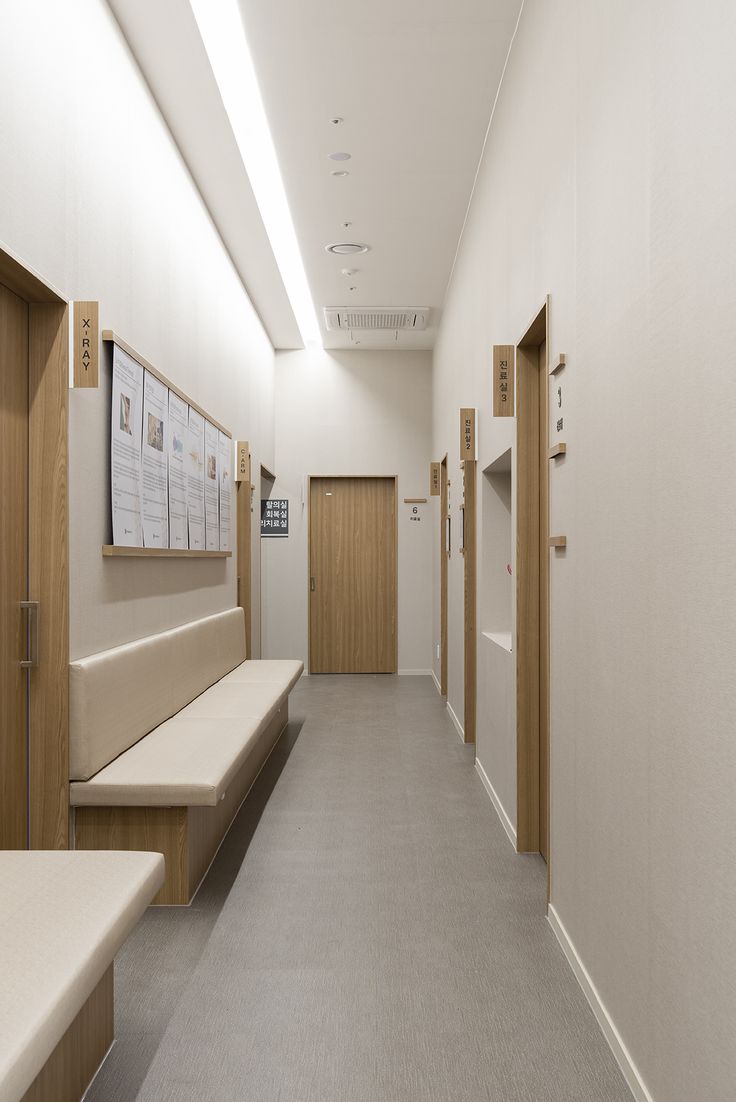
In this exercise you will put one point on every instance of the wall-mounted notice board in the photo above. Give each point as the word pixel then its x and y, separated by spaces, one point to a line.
pixel 170 466
pixel 274 516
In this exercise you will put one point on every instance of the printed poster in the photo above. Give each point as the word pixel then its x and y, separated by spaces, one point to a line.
pixel 125 449
pixel 154 463
pixel 211 488
pixel 226 478
pixel 178 440
pixel 195 481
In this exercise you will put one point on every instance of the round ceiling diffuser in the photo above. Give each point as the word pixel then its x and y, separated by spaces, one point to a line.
pixel 346 248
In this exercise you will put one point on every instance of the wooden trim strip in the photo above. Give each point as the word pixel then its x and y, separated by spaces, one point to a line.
pixel 558 541
pixel 108 335
pixel 109 550
pixel 415 501
pixel 559 365
pixel 558 449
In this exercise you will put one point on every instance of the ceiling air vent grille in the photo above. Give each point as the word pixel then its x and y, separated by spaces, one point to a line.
pixel 376 317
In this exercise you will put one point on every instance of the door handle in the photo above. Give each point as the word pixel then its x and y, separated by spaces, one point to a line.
pixel 31 607
pixel 312 586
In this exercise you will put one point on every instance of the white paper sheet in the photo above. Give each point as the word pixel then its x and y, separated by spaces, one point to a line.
pixel 154 466
pixel 225 458
pixel 211 489
pixel 178 440
pixel 195 481
pixel 125 449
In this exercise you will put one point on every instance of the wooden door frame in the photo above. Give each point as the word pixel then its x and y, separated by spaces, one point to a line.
pixel 444 556
pixel 386 477
pixel 532 577
pixel 244 523
pixel 48 550
pixel 470 644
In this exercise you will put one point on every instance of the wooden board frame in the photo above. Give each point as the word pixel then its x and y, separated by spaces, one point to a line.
pixel 244 530
pixel 110 337
pixel 532 585
pixel 387 477
pixel 48 565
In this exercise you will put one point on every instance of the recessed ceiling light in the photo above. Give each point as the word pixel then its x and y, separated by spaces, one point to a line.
pixel 223 36
pixel 339 156
pixel 346 248
pixel 342 173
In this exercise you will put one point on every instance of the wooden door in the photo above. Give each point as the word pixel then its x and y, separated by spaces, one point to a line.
pixel 470 647
pixel 13 570
pixel 352 569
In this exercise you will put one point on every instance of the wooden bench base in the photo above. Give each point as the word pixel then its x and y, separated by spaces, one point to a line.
pixel 188 837
pixel 73 1064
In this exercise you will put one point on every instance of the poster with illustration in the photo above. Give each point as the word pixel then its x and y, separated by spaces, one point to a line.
pixel 178 438
pixel 211 488
pixel 195 481
pixel 225 459
pixel 125 449
pixel 154 463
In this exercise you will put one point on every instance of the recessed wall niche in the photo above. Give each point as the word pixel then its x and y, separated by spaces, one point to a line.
pixel 497 552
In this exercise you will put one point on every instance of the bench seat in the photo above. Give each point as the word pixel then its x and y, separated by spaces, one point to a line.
pixel 63 917
pixel 282 671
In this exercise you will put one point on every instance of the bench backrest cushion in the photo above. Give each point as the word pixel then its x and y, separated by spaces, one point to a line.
pixel 117 696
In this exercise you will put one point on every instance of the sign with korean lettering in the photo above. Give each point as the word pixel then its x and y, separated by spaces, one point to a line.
pixel 503 380
pixel 467 434
pixel 434 479
pixel 275 516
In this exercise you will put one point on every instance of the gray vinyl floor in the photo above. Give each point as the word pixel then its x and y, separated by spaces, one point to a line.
pixel 366 934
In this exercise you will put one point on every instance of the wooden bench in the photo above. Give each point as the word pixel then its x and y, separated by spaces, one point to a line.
pixel 63 917
pixel 167 735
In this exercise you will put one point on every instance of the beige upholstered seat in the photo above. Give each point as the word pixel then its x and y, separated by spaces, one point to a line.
pixel 63 917
pixel 228 701
pixel 186 761
pixel 281 671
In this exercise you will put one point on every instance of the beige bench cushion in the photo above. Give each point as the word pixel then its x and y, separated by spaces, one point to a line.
pixel 281 671
pixel 225 701
pixel 63 917
pixel 117 696
pixel 188 760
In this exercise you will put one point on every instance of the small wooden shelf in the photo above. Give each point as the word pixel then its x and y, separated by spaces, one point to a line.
pixel 559 365
pixel 415 501
pixel 558 449
pixel 558 541
pixel 109 550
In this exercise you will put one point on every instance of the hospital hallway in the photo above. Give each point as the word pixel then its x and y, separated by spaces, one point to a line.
pixel 366 934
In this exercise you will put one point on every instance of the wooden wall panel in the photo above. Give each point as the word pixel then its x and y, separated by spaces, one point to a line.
pixel 470 598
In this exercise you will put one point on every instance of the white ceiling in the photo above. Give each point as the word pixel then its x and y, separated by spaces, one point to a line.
pixel 414 81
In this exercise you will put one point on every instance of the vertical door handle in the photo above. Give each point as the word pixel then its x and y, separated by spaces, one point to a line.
pixel 31 607
pixel 312 586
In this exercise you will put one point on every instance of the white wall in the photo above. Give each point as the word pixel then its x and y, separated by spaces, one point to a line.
pixel 607 181
pixel 95 197
pixel 360 413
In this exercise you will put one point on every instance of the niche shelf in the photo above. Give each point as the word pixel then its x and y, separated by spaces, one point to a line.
pixel 496 552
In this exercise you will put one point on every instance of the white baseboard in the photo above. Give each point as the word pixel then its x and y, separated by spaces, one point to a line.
pixel 414 673
pixel 506 823
pixel 608 1028
pixel 436 681
pixel 458 725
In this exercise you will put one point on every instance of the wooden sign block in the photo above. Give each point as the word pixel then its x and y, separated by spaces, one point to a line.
pixel 467 434
pixel 86 344
pixel 434 479
pixel 503 380
pixel 242 461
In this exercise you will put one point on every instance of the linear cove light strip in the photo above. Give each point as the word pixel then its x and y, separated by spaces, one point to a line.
pixel 223 34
